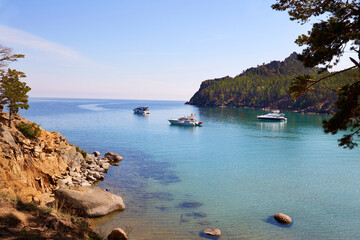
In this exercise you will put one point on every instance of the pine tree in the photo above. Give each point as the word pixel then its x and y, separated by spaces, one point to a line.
pixel 13 92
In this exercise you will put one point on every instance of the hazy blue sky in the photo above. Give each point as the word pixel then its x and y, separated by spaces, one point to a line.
pixel 141 49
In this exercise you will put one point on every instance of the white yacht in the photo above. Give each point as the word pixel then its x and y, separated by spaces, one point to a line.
pixel 188 121
pixel 273 116
pixel 142 110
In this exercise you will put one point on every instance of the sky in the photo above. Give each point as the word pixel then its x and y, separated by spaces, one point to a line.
pixel 141 49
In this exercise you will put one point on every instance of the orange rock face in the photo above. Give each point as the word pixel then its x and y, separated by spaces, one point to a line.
pixel 30 167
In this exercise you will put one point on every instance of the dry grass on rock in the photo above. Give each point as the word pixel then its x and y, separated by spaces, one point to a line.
pixel 19 220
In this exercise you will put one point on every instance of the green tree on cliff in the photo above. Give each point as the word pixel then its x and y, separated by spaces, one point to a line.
pixel 325 44
pixel 13 92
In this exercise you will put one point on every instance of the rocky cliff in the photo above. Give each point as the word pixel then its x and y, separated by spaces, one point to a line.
pixel 31 168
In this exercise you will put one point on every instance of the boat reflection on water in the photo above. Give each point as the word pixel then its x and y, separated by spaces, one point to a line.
pixel 272 126
pixel 179 128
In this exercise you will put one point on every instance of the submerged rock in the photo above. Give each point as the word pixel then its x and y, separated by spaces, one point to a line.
pixel 212 232
pixel 117 234
pixel 199 215
pixel 90 201
pixel 190 204
pixel 204 223
pixel 196 215
pixel 282 218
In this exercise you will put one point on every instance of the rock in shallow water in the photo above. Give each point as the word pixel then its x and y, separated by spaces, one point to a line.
pixel 113 157
pixel 212 232
pixel 90 201
pixel 117 234
pixel 282 218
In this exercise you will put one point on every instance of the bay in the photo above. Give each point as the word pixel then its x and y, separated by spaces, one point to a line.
pixel 236 170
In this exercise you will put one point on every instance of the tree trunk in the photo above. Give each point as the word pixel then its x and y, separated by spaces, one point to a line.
pixel 10 117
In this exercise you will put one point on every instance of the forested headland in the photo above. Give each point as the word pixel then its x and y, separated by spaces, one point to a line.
pixel 266 86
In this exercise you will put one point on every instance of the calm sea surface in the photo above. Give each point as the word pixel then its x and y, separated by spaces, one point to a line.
pixel 235 170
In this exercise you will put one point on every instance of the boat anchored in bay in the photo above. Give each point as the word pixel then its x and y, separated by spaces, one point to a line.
pixel 275 115
pixel 188 121
pixel 141 110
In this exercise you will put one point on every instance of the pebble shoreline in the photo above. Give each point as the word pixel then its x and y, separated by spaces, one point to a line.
pixel 88 172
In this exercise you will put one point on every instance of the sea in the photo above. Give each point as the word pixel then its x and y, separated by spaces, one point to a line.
pixel 233 173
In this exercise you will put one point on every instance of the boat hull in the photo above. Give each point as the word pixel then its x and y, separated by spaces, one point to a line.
pixel 141 112
pixel 185 124
pixel 272 119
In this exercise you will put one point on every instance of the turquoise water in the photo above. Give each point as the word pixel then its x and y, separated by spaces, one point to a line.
pixel 241 171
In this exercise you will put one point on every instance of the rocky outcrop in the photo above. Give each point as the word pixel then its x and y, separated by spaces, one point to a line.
pixel 282 218
pixel 117 234
pixel 30 168
pixel 89 201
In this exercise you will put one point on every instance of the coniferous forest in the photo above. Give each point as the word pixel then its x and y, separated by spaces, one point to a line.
pixel 266 86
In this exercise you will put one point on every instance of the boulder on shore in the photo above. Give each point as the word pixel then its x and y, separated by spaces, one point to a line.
pixel 117 234
pixel 212 232
pixel 113 157
pixel 89 201
pixel 96 154
pixel 282 218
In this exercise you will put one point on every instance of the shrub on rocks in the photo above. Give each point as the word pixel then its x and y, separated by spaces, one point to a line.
pixel 83 152
pixel 31 130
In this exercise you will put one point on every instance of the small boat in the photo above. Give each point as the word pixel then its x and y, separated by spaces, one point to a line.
pixel 142 110
pixel 188 121
pixel 273 116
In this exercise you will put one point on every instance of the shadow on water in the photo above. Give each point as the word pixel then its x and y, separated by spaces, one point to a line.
pixel 272 221
pixel 203 235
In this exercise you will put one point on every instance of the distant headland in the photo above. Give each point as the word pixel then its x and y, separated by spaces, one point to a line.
pixel 266 86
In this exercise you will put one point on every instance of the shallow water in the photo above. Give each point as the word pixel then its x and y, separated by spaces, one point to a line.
pixel 233 173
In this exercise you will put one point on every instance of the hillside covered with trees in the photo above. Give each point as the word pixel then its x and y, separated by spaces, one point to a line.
pixel 266 86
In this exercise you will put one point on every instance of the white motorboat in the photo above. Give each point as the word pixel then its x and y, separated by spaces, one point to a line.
pixel 273 116
pixel 142 110
pixel 188 121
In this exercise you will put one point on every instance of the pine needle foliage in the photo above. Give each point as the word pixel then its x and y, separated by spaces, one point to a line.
pixel 325 44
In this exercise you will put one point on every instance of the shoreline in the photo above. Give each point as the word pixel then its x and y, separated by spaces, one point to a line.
pixel 302 111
